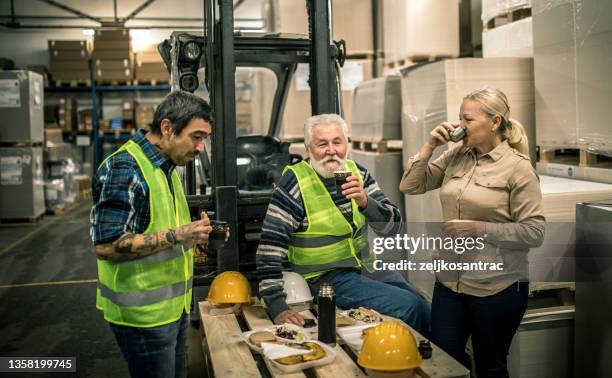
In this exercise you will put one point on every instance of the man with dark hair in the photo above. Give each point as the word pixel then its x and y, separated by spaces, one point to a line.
pixel 143 237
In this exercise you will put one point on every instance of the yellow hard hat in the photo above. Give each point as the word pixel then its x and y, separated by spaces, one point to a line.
pixel 389 346
pixel 230 287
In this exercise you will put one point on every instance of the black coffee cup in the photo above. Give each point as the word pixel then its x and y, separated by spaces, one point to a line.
pixel 216 238
pixel 340 178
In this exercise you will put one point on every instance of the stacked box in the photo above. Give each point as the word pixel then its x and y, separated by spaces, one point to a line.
pixel 112 55
pixel 377 109
pixel 67 114
pixel 85 120
pixel 69 60
pixel 144 116
pixel 297 107
pixel 21 182
pixel 513 40
pixel 572 55
pixel 127 110
pixel 150 66
pixel 415 29
pixel 21 107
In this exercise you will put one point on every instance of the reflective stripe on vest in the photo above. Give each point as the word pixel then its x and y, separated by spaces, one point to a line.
pixel 330 240
pixel 156 289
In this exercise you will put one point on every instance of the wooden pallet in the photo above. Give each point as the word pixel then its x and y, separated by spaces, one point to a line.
pixel 83 195
pixel 62 209
pixel 506 18
pixel 22 221
pixel 412 60
pixel 363 54
pixel 563 291
pixel 229 355
pixel 580 157
pixel 376 145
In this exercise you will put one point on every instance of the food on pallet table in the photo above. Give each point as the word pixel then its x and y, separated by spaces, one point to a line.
pixel 317 353
pixel 343 321
pixel 291 332
pixel 365 315
pixel 257 338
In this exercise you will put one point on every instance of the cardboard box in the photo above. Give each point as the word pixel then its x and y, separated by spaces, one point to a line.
pixel 111 34
pixel 151 71
pixel 119 54
pixel 69 65
pixel 109 75
pixel 377 109
pixel 85 120
pixel 513 40
pixel 420 29
pixel 355 29
pixel 112 64
pixel 67 114
pixel 115 44
pixel 67 45
pixel 572 55
pixel 69 54
pixel 71 75
pixel 53 136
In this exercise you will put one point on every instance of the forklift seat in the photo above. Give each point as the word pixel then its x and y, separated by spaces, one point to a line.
pixel 261 160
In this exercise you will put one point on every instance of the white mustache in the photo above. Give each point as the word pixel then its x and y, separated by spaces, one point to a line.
pixel 327 160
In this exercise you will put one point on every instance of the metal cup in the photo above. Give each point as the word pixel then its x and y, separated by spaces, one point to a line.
pixel 340 178
pixel 216 238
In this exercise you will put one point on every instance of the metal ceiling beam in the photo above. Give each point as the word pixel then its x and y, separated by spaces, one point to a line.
pixel 71 10
pixel 138 10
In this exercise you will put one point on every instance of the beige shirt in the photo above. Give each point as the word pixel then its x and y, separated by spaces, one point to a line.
pixel 500 188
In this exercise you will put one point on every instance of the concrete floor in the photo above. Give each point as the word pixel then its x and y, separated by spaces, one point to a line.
pixel 47 298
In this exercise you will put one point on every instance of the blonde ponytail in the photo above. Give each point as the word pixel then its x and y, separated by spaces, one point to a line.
pixel 516 136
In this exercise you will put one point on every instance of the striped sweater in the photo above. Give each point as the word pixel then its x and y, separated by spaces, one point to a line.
pixel 286 215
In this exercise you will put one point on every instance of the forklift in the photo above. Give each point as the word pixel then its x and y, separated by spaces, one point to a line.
pixel 237 179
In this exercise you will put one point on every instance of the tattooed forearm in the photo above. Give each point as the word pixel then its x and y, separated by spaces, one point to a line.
pixel 133 246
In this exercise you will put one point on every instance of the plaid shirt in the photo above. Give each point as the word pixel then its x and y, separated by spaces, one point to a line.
pixel 121 195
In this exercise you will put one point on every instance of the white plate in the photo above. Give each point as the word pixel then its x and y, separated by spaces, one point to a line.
pixel 352 336
pixel 307 333
pixel 330 355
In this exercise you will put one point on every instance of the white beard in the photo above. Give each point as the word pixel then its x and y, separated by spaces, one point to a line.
pixel 319 165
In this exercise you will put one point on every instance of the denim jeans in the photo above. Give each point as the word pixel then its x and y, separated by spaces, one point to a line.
pixel 492 322
pixel 387 292
pixel 156 351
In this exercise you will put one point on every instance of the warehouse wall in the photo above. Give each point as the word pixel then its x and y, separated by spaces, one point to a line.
pixel 29 46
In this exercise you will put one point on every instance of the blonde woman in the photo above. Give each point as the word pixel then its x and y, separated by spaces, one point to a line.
pixel 488 189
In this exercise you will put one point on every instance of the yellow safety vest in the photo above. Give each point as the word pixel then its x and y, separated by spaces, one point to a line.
pixel 330 241
pixel 156 289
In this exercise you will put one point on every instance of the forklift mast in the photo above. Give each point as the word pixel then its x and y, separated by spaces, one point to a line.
pixel 223 51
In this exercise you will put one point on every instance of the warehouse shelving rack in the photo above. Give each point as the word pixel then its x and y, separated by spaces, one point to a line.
pixel 97 91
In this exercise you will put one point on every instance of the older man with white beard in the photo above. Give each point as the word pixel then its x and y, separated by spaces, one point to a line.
pixel 323 233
